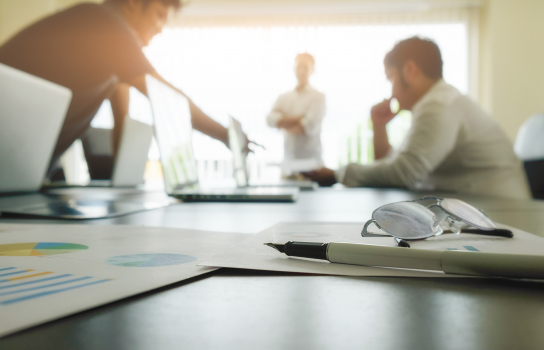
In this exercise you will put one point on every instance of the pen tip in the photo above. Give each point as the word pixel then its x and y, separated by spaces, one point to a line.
pixel 279 247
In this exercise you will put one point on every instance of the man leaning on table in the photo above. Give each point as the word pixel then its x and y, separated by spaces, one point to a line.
pixel 96 51
pixel 452 144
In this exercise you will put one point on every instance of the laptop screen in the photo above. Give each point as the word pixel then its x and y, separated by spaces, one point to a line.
pixel 237 145
pixel 173 131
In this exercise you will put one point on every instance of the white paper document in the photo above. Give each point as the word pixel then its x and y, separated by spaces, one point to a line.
pixel 50 271
pixel 253 254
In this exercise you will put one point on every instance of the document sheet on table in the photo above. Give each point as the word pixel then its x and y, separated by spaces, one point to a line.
pixel 50 271
pixel 253 254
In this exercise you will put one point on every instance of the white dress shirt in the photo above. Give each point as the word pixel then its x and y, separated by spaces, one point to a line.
pixel 452 145
pixel 309 103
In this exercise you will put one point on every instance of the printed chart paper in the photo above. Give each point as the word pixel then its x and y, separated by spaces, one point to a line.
pixel 253 254
pixel 50 271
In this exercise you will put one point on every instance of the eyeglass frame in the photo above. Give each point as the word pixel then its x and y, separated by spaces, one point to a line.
pixel 449 215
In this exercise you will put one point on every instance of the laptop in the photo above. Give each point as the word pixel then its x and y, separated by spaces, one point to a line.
pixel 32 111
pixel 126 169
pixel 131 159
pixel 173 132
pixel 237 141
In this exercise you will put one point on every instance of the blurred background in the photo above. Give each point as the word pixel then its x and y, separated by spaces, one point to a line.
pixel 235 57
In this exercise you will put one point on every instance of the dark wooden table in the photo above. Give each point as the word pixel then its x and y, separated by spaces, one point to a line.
pixel 239 309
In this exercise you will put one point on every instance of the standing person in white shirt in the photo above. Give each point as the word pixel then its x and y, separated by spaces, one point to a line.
pixel 452 145
pixel 299 114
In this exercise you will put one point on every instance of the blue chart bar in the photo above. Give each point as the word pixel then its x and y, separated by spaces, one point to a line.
pixel 45 286
pixel 35 281
pixel 470 248
pixel 35 285
pixel 467 247
pixel 33 296
pixel 13 273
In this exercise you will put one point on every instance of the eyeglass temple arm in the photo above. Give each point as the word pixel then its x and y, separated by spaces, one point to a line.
pixel 365 232
pixel 498 232
pixel 439 206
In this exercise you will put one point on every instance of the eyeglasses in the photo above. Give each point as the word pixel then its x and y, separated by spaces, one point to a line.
pixel 412 220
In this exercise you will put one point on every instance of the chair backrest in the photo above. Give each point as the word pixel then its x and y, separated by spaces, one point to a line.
pixel 127 168
pixel 529 143
pixel 98 149
pixel 529 147
pixel 535 175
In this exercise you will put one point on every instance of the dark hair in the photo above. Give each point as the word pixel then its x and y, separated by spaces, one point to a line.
pixel 174 3
pixel 305 56
pixel 424 52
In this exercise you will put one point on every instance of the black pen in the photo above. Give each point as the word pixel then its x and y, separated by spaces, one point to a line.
pixel 448 261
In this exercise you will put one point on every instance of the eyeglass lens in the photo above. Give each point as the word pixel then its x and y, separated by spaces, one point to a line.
pixel 407 220
pixel 468 213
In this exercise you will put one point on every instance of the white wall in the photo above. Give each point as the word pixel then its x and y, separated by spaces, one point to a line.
pixel 15 14
pixel 512 64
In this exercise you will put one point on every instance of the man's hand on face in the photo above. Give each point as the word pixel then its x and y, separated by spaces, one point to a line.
pixel 324 177
pixel 381 113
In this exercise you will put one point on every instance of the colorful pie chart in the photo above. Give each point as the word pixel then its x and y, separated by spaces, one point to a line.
pixel 39 248
pixel 150 260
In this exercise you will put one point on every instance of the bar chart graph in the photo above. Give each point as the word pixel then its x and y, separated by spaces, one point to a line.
pixel 52 271
pixel 19 285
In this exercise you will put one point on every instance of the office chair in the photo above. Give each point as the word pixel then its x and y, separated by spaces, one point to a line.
pixel 98 149
pixel 529 147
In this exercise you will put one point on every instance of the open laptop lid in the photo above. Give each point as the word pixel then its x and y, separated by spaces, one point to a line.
pixel 131 158
pixel 32 111
pixel 173 131
pixel 237 141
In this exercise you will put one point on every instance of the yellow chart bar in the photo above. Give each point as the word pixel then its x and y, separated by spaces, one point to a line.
pixel 29 276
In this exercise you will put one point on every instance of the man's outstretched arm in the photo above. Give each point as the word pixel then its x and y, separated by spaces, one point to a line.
pixel 433 136
pixel 119 106
pixel 199 119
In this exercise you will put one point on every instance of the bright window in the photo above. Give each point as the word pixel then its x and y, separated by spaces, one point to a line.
pixel 241 71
